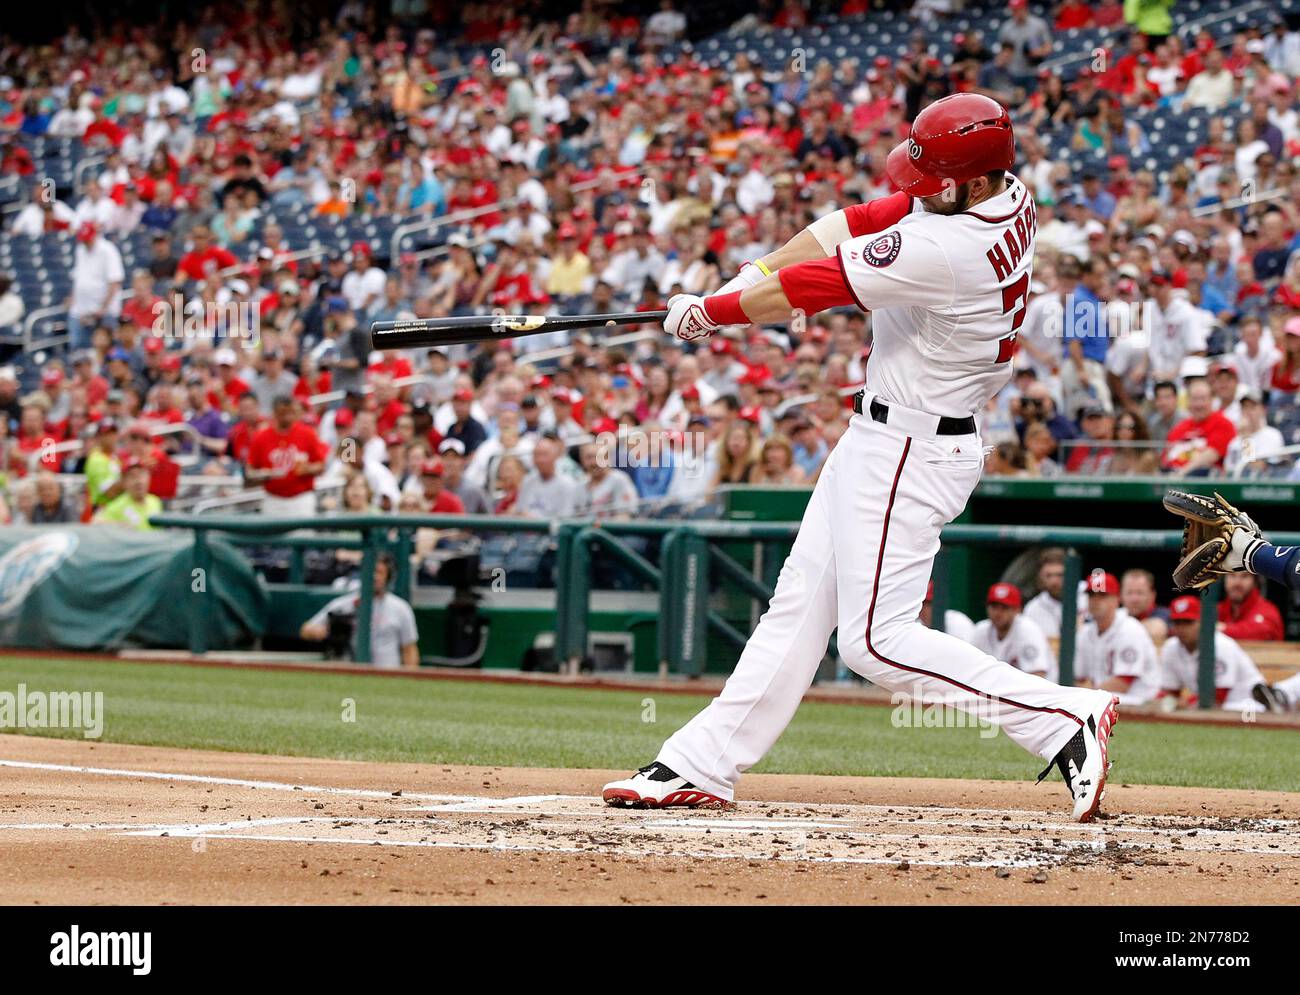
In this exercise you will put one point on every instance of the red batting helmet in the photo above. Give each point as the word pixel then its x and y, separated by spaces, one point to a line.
pixel 953 140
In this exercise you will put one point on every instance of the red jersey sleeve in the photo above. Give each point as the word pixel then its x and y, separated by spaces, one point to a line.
pixel 879 214
pixel 815 285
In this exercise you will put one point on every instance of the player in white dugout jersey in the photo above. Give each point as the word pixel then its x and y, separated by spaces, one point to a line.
pixel 944 267
pixel 1235 673
pixel 1114 650
pixel 1007 634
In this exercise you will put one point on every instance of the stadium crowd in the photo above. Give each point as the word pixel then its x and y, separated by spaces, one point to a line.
pixel 592 165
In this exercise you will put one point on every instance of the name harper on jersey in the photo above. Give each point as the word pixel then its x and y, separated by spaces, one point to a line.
pixel 1006 254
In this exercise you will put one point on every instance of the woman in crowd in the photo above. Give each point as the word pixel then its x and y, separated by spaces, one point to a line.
pixel 510 475
pixel 739 455
pixel 1039 450
pixel 776 463
pixel 1140 458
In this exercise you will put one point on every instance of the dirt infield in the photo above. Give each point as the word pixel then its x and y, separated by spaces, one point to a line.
pixel 103 823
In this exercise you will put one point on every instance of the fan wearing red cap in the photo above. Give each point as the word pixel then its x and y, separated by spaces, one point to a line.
pixel 1114 651
pixel 944 266
pixel 1235 673
pixel 363 284
pixel 1007 635
pixel 433 490
pixel 97 278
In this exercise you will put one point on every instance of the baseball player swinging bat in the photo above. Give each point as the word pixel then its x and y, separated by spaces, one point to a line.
pixel 434 332
pixel 944 265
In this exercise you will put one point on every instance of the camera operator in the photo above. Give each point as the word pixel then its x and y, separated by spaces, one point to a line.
pixel 392 623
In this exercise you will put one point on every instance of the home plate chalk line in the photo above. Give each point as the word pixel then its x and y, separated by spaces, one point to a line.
pixel 786 831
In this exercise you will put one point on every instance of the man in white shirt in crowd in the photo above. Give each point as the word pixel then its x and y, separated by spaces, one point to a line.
pixel 1177 331
pixel 95 205
pixel 41 215
pixel 97 276
pixel 1007 635
pixel 1114 651
pixel 634 260
pixel 665 25
pixel 1212 87
pixel 1044 608
pixel 1256 354
pixel 544 492
pixel 608 491
pixel 1255 440
pixel 1235 673
pixel 363 285
pixel 695 463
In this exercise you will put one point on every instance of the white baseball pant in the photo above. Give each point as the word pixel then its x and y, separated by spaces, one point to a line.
pixel 862 562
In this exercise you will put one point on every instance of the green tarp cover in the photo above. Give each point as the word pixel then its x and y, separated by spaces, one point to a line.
pixel 100 587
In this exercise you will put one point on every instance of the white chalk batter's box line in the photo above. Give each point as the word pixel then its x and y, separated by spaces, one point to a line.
pixel 1094 837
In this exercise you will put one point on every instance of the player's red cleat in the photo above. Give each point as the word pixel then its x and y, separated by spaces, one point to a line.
pixel 657 786
pixel 1084 760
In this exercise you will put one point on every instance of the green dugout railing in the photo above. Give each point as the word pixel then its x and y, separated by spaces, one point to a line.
pixel 371 534
pixel 689 553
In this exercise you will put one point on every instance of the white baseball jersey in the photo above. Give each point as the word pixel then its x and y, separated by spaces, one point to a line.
pixel 1235 672
pixel 1045 612
pixel 958 624
pixel 947 295
pixel 1123 650
pixel 1024 646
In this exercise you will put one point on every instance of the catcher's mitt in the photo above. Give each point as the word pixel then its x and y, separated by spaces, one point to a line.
pixel 1209 549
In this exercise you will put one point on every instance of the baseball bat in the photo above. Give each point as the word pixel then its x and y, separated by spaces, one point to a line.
pixel 433 332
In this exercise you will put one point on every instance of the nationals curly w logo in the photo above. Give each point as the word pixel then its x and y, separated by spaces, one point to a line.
pixel 883 250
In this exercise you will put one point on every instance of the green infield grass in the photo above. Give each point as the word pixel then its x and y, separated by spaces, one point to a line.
pixel 470 722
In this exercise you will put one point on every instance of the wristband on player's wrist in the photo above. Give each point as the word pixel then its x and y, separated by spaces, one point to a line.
pixel 754 272
pixel 725 309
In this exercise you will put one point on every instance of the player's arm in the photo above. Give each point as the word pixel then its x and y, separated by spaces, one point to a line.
pixel 1118 684
pixel 821 238
pixel 1279 563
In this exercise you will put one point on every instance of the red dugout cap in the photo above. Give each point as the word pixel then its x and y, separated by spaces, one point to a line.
pixel 1004 594
pixel 1100 582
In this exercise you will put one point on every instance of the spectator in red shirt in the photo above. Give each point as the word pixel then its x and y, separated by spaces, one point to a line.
pixel 388 406
pixel 164 473
pixel 232 387
pixel 84 378
pixel 34 436
pixel 437 499
pixel 1244 613
pixel 1198 443
pixel 286 457
pixel 1073 14
pixel 140 309
pixel 205 259
pixel 239 442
